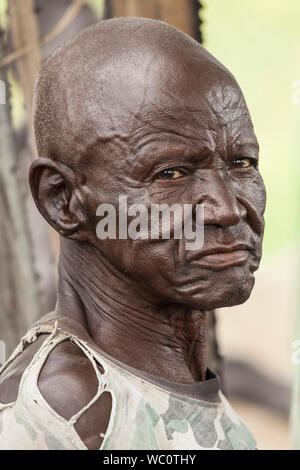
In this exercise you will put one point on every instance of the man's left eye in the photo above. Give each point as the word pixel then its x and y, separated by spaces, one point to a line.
pixel 169 174
pixel 243 162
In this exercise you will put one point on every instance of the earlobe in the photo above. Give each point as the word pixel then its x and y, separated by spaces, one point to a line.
pixel 53 188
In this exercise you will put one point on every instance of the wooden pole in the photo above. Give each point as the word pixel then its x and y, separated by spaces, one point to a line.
pixel 25 31
pixel 19 297
pixel 179 13
pixel 27 270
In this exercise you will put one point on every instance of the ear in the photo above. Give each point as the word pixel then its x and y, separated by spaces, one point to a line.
pixel 57 197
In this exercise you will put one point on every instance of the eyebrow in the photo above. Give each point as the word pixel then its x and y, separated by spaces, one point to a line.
pixel 170 152
pixel 250 149
pixel 141 142
pixel 190 148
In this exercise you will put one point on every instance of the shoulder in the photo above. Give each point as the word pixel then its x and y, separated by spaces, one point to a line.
pixel 68 382
pixel 11 376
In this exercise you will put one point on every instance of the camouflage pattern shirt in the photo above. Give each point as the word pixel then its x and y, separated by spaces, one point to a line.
pixel 147 413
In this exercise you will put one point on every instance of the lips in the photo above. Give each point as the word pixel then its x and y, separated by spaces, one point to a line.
pixel 222 257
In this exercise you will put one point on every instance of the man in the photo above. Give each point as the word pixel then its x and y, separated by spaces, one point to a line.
pixel 133 107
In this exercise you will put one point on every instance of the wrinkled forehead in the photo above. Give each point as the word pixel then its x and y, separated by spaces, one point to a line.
pixel 214 111
pixel 131 86
pixel 133 98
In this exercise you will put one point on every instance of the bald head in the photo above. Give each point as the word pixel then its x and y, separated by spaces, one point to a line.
pixel 116 74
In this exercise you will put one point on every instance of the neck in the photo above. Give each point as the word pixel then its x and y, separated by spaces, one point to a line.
pixel 159 339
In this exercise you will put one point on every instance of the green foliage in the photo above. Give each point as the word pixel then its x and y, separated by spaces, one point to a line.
pixel 3 14
pixel 97 6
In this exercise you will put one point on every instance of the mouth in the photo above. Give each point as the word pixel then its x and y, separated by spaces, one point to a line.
pixel 222 257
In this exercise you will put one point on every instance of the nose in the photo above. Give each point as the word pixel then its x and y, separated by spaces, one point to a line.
pixel 221 206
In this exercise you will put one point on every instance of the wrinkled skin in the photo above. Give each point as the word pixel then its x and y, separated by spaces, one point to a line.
pixel 202 135
pixel 110 121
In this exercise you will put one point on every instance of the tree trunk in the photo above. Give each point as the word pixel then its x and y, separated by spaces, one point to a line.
pixel 19 298
pixel 180 13
pixel 27 269
pixel 25 31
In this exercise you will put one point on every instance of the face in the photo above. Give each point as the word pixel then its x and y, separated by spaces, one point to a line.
pixel 176 136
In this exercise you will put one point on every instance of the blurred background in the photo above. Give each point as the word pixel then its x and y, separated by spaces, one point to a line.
pixel 255 347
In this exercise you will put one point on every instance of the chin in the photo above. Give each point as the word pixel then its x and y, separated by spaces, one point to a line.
pixel 238 296
pixel 222 294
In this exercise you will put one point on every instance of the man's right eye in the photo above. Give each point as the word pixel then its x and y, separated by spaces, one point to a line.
pixel 169 174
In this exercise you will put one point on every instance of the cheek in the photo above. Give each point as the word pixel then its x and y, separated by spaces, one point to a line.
pixel 257 191
pixel 252 189
pixel 250 192
pixel 177 193
pixel 152 266
pixel 145 258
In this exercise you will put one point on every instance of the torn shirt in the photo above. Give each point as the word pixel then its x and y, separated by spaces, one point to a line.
pixel 147 413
